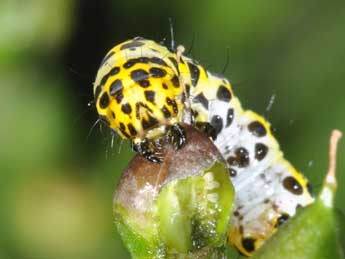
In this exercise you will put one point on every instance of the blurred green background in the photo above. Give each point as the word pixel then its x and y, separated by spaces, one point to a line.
pixel 56 183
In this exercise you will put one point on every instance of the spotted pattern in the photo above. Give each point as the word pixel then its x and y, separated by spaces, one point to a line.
pixel 194 73
pixel 229 117
pixel 132 44
pixel 223 94
pixel 260 151
pixel 291 184
pixel 115 87
pixel 175 81
pixel 157 72
pixel 257 128
pixel 217 124
pixel 150 96
pixel 200 98
pixel 104 101
pixel 114 71
pixel 241 158
pixel 282 219
pixel 139 74
pixel 174 62
pixel 232 172
pixel 141 86
pixel 126 108
pixel 248 244
pixel 166 112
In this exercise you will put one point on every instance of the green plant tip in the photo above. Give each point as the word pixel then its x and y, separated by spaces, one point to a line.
pixel 180 208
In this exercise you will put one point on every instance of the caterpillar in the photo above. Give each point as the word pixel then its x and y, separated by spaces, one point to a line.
pixel 144 90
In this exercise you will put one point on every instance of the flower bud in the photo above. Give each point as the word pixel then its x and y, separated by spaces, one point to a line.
pixel 179 208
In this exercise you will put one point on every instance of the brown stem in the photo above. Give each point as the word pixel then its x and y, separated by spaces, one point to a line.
pixel 333 143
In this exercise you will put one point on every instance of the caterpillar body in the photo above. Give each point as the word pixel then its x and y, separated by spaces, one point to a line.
pixel 144 90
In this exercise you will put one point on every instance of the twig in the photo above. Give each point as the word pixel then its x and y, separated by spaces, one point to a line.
pixel 333 143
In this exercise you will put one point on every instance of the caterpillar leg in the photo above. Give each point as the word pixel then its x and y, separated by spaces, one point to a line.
pixel 147 150
pixel 177 135
pixel 151 151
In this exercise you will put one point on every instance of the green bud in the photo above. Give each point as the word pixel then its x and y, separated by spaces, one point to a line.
pixel 178 209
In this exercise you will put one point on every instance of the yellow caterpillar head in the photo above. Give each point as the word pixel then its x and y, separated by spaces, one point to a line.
pixel 137 88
